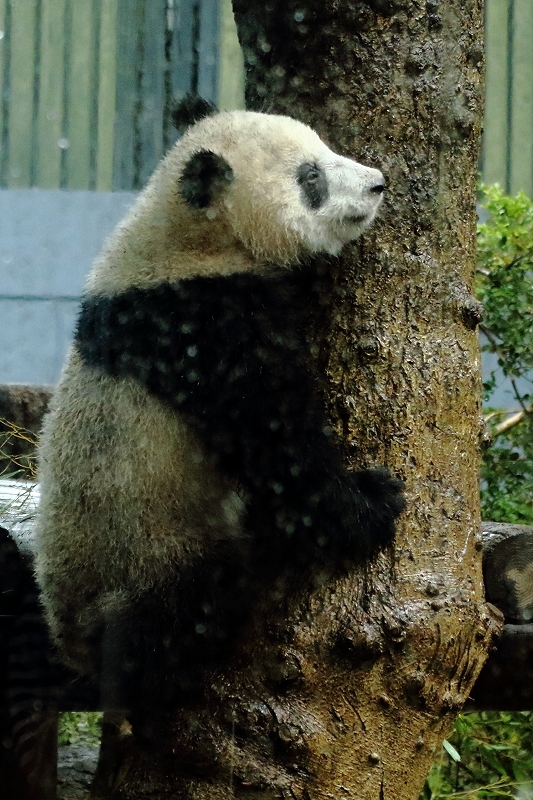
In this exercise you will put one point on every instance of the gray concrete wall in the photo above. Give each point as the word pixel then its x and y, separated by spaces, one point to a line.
pixel 48 239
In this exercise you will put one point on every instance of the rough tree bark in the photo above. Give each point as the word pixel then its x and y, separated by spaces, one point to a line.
pixel 351 687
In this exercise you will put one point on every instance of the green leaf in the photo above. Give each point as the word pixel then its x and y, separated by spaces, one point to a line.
pixel 450 749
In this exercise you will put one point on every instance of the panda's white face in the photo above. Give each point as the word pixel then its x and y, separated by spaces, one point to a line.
pixel 340 199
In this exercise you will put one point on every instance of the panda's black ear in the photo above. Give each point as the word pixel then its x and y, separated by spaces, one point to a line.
pixel 190 110
pixel 204 176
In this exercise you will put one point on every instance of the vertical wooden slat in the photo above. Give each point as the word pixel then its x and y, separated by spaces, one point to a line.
pixel 2 43
pixel 64 141
pixel 231 66
pixel 4 73
pixel 496 127
pixel 51 94
pixel 106 94
pixel 95 90
pixel 208 50
pixel 181 48
pixel 178 55
pixel 80 80
pixel 521 139
pixel 179 60
pixel 510 82
pixel 34 142
pixel 129 20
pixel 152 88
pixel 21 92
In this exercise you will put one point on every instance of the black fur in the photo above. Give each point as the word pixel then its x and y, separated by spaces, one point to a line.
pixel 160 645
pixel 190 110
pixel 228 354
pixel 33 684
pixel 314 183
pixel 203 177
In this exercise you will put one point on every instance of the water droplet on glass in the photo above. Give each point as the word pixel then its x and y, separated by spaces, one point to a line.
pixel 299 16
pixel 63 143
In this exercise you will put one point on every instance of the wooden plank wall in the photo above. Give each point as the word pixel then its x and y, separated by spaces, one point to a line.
pixel 167 48
pixel 57 69
pixel 231 72
pixel 88 85
pixel 507 156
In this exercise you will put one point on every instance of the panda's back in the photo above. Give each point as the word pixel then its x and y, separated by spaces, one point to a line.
pixel 127 488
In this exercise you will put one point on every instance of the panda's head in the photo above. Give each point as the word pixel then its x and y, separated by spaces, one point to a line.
pixel 282 192
pixel 239 190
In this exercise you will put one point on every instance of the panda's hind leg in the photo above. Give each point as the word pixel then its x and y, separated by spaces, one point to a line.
pixel 157 648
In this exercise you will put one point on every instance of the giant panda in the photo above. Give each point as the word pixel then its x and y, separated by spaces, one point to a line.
pixel 186 463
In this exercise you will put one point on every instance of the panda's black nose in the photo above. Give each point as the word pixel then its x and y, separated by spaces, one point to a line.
pixel 378 188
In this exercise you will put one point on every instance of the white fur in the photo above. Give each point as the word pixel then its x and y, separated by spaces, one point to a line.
pixel 332 226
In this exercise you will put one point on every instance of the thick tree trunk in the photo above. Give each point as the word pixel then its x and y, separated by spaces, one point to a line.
pixel 348 691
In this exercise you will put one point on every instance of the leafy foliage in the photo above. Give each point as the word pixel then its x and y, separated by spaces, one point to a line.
pixel 489 755
pixel 505 286
pixel 507 476
pixel 80 728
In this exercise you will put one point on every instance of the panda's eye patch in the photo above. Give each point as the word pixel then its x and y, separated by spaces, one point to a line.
pixel 313 182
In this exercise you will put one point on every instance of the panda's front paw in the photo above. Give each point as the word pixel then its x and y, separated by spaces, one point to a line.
pixel 384 500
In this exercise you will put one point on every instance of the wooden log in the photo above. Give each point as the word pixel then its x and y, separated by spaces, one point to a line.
pixel 21 407
pixel 28 728
pixel 506 681
pixel 508 569
pixel 34 686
